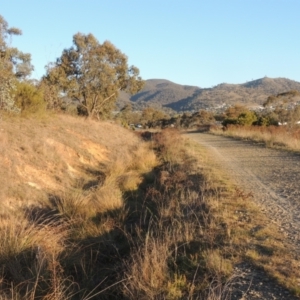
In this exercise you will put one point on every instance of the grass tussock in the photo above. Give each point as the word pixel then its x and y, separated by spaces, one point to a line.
pixel 29 260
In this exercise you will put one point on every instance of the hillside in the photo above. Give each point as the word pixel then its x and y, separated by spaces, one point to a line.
pixel 158 93
pixel 165 94
pixel 63 180
pixel 39 158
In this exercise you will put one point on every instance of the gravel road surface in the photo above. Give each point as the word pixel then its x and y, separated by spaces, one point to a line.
pixel 273 177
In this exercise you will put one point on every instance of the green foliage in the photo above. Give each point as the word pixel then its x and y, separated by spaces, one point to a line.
pixel 199 118
pixel 14 60
pixel 283 115
pixel 127 109
pixel 70 109
pixel 14 65
pixel 151 114
pixel 247 118
pixel 185 120
pixel 7 86
pixel 229 121
pixel 267 119
pixel 29 98
pixel 281 99
pixel 288 116
pixel 154 118
pixel 234 111
pixel 263 121
pixel 270 100
pixel 128 116
pixel 51 95
pixel 239 115
pixel 93 74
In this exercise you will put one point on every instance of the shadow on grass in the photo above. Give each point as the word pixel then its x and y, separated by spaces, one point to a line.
pixel 166 196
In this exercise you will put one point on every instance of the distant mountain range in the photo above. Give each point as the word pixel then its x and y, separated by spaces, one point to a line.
pixel 164 94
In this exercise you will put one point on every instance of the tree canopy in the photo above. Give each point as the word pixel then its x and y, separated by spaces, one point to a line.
pixel 239 115
pixel 92 74
pixel 14 65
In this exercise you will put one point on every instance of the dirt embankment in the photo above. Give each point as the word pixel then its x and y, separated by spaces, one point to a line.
pixel 39 157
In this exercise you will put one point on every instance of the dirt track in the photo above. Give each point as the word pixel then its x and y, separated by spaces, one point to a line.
pixel 272 176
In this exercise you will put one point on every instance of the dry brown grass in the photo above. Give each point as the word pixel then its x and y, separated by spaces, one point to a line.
pixel 29 259
pixel 48 155
pixel 92 211
pixel 178 251
pixel 64 181
pixel 272 136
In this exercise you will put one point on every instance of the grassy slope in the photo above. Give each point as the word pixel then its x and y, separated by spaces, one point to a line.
pixel 59 175
pixel 40 157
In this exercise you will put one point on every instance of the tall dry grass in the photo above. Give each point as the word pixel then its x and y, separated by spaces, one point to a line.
pixel 175 255
pixel 271 136
pixel 65 182
pixel 29 256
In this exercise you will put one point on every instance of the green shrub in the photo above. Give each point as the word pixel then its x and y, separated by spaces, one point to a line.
pixel 29 98
pixel 247 118
pixel 267 120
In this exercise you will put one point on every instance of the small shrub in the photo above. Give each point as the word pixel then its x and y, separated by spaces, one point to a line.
pixel 29 98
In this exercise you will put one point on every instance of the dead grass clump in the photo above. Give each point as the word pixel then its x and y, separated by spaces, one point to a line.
pixel 69 176
pixel 71 205
pixel 169 145
pixel 107 197
pixel 217 264
pixel 143 159
pixel 29 261
pixel 42 156
pixel 148 271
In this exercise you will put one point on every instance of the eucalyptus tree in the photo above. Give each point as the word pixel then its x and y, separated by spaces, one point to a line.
pixel 14 65
pixel 92 74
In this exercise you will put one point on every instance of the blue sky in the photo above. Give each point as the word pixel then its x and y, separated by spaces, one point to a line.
pixel 192 42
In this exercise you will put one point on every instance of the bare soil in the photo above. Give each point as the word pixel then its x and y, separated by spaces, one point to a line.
pixel 273 177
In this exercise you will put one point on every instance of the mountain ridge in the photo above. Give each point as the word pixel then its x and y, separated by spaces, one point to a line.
pixel 165 94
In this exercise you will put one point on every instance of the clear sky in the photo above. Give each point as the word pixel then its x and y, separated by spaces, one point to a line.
pixel 193 42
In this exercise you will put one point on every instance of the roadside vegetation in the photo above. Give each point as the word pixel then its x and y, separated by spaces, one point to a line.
pixel 91 210
pixel 271 136
pixel 278 127
pixel 151 118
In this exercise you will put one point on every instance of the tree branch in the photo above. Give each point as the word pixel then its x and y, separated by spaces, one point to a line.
pixel 101 104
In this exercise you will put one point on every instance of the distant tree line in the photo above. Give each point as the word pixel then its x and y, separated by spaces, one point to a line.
pixel 280 115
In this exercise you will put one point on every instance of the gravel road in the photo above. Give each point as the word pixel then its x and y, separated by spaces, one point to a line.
pixel 273 177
